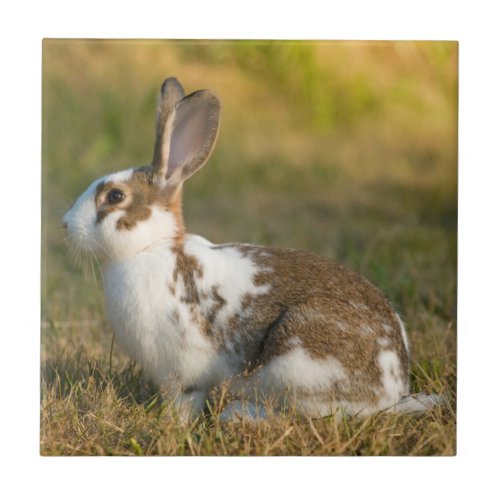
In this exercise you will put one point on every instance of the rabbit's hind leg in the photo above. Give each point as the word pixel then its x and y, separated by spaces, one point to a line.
pixel 309 366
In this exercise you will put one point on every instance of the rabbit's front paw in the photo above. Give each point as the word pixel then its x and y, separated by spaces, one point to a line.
pixel 243 410
pixel 188 405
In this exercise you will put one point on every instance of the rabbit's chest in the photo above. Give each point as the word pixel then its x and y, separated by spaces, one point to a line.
pixel 152 320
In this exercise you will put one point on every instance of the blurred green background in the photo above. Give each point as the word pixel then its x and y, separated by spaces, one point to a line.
pixel 345 149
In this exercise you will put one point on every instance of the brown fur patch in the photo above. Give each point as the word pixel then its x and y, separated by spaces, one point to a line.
pixel 329 309
pixel 188 268
pixel 102 206
pixel 144 194
pixel 175 208
pixel 219 303
pixel 141 193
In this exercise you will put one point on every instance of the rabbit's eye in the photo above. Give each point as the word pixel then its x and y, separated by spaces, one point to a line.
pixel 115 196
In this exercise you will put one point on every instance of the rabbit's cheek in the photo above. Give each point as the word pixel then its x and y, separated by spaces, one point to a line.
pixel 119 242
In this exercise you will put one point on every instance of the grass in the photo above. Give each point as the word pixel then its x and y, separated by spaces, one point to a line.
pixel 347 150
pixel 90 408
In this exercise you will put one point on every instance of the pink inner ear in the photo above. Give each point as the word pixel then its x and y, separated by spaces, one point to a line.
pixel 188 138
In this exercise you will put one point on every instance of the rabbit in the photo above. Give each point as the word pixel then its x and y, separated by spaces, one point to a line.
pixel 274 325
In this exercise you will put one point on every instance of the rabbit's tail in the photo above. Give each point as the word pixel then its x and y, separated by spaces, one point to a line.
pixel 415 404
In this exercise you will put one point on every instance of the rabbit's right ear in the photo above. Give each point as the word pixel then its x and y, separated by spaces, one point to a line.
pixel 187 136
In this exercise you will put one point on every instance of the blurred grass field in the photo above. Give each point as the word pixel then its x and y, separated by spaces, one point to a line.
pixel 345 149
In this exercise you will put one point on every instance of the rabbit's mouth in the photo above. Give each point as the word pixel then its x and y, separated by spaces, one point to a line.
pixel 77 237
pixel 74 227
pixel 78 230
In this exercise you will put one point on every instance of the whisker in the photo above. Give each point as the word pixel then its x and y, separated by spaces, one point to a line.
pixel 98 245
pixel 98 264
pixel 83 255
pixel 91 257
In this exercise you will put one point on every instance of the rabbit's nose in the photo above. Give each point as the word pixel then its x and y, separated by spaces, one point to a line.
pixel 65 225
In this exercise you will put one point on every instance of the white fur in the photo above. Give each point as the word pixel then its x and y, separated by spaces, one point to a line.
pixel 143 320
pixel 119 244
pixel 80 218
pixel 383 341
pixel 404 334
pixel 297 369
pixel 190 405
pixel 394 389
pixel 288 376
pixel 228 269
pixel 307 383
pixel 156 328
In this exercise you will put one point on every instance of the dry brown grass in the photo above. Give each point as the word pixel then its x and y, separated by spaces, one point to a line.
pixel 97 404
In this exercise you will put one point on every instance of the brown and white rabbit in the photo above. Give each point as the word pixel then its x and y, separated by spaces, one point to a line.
pixel 277 325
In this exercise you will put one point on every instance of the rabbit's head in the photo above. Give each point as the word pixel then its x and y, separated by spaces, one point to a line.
pixel 128 211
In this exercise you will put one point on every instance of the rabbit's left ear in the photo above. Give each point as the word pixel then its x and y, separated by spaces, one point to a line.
pixel 187 138
pixel 171 93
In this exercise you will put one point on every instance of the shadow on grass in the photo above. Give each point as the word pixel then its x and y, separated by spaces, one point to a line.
pixel 70 375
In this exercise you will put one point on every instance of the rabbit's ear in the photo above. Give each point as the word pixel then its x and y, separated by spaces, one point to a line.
pixel 171 93
pixel 188 137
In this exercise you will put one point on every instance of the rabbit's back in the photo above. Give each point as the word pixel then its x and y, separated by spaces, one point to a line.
pixel 352 310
